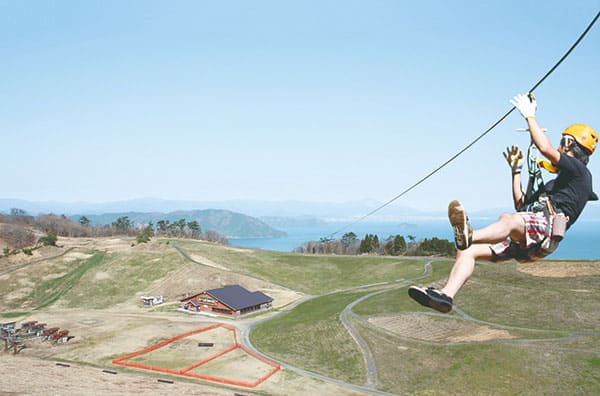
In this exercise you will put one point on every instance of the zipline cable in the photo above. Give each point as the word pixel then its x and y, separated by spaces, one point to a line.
pixel 575 44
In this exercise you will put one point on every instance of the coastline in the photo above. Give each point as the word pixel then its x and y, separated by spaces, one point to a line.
pixel 581 243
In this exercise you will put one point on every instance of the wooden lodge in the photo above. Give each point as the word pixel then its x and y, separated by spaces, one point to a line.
pixel 231 300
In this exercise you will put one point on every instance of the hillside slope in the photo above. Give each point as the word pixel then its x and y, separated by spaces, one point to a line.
pixel 227 223
pixel 517 346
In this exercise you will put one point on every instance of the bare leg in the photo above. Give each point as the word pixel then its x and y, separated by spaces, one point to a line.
pixel 508 225
pixel 464 265
pixel 460 273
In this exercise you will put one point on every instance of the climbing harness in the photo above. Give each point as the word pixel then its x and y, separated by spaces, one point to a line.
pixel 536 199
pixel 535 184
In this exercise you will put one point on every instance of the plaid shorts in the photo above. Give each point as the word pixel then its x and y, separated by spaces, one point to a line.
pixel 538 243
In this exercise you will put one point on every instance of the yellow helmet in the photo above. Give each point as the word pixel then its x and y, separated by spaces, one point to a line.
pixel 584 135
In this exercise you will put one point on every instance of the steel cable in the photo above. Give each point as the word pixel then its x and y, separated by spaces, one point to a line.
pixel 495 124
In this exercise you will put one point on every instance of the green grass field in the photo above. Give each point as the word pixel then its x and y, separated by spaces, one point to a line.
pixel 536 363
pixel 98 281
pixel 312 274
pixel 119 278
pixel 501 294
pixel 312 337
pixel 554 323
pixel 409 367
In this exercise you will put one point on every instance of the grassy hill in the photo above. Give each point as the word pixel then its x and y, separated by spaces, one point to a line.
pixel 514 332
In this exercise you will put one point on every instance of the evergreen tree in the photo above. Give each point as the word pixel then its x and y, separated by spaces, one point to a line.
pixel 375 243
pixel 394 245
pixel 147 233
pixel 435 246
pixel 49 239
pixel 348 239
pixel 122 224
pixel 194 227
pixel 399 245
pixel 162 226
pixel 369 244
pixel 180 224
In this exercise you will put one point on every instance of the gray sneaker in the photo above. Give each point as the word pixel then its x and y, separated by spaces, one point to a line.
pixel 463 233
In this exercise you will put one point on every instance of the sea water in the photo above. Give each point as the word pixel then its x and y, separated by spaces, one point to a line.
pixel 582 241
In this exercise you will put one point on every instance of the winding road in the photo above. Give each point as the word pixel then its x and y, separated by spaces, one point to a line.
pixel 347 316
pixel 371 370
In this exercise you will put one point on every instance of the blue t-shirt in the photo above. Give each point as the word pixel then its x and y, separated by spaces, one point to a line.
pixel 572 188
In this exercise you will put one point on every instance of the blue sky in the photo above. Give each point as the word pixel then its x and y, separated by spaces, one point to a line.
pixel 270 100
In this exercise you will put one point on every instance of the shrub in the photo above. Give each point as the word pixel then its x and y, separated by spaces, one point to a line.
pixel 49 239
pixel 146 234
pixel 435 246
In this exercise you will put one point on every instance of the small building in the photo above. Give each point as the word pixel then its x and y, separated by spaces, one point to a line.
pixel 150 301
pixel 231 300
pixel 7 329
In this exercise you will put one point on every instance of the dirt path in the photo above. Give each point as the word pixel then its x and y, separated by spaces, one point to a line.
pixel 158 324
pixel 36 261
pixel 371 383
pixel 360 342
pixel 347 316
pixel 487 331
pixel 483 331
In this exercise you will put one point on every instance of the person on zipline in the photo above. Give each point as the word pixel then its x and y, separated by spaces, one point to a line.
pixel 537 227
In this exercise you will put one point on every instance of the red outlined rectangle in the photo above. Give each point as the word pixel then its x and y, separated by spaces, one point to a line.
pixel 186 372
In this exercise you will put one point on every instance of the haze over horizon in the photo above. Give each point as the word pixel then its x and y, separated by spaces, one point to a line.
pixel 312 102
pixel 329 211
pixel 251 207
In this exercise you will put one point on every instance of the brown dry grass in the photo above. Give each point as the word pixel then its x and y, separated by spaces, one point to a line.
pixel 102 335
pixel 560 269
pixel 33 376
pixel 429 328
pixel 193 278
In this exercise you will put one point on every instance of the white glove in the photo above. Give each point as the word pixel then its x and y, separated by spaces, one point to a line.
pixel 525 105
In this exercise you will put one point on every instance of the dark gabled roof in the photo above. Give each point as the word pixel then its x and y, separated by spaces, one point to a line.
pixel 237 298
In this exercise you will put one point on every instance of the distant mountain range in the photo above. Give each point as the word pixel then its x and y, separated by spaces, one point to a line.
pixel 255 208
pixel 300 210
pixel 247 218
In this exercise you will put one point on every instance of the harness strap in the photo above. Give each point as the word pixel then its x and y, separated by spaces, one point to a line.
pixel 535 183
pixel 551 210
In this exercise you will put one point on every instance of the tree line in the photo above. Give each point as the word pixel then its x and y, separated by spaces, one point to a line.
pixel 393 245
pixel 165 228
pixel 25 233
pixel 21 231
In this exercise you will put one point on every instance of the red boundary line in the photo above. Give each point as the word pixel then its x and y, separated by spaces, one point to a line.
pixel 166 342
pixel 121 361
pixel 208 359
